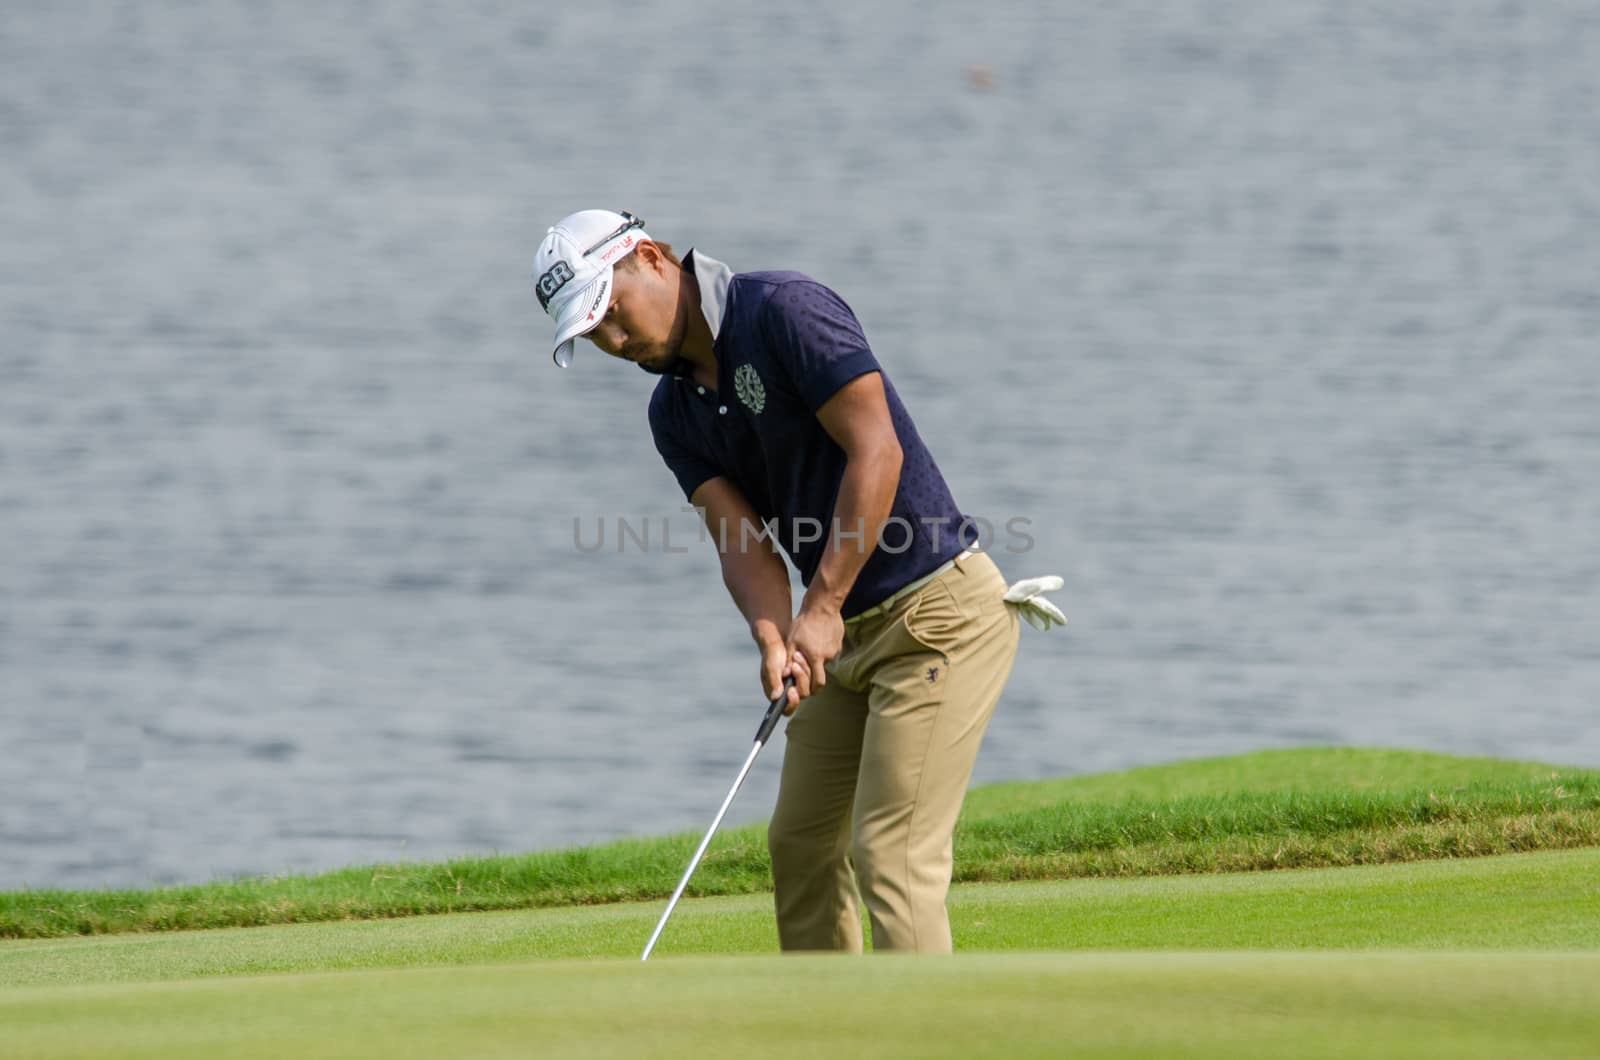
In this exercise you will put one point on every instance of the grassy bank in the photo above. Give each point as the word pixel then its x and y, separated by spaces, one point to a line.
pixel 1281 809
pixel 1427 905
pixel 1243 1005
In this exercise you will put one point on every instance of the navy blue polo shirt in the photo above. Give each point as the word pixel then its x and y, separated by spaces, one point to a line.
pixel 784 345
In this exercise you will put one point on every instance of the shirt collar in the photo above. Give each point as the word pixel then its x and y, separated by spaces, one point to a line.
pixel 713 277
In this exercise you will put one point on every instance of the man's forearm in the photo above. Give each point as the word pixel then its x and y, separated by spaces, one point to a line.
pixel 759 584
pixel 866 496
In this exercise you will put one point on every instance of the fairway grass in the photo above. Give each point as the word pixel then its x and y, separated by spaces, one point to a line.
pixel 1135 943
pixel 1545 901
pixel 1269 810
pixel 1243 1005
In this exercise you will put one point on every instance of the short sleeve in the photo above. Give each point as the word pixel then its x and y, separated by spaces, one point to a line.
pixel 688 466
pixel 815 337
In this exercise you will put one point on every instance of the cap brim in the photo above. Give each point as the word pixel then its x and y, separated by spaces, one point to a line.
pixel 579 314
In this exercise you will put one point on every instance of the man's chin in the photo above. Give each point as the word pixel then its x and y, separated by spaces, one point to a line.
pixel 662 365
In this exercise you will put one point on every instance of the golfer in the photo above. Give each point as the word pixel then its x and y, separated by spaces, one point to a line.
pixel 783 429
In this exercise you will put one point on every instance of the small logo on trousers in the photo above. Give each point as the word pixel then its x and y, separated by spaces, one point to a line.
pixel 933 674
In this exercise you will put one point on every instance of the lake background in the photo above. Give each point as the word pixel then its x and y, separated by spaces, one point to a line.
pixel 1279 320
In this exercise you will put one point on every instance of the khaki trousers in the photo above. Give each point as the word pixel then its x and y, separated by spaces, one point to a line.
pixel 876 765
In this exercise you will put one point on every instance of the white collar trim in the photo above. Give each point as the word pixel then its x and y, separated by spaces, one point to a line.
pixel 713 277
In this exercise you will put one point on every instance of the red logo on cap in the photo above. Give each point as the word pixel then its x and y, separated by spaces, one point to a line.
pixel 599 297
pixel 605 259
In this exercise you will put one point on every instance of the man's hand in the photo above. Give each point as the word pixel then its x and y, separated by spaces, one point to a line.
pixel 815 639
pixel 777 662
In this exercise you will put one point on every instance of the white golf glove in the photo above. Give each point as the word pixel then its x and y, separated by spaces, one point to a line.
pixel 1027 596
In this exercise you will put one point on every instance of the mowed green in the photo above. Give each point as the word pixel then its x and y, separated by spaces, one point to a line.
pixel 1269 810
pixel 1403 951
pixel 1236 1005
pixel 1544 901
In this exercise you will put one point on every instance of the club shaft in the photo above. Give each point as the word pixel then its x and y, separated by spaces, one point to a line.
pixel 737 784
pixel 768 723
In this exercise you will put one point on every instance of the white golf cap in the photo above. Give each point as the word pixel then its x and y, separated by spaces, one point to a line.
pixel 572 273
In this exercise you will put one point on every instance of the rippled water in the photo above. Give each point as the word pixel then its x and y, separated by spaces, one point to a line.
pixel 1278 320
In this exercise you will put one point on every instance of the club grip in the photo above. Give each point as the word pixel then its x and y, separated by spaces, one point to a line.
pixel 774 712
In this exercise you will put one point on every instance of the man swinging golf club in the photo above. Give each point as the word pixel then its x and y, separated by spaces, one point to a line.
pixel 772 408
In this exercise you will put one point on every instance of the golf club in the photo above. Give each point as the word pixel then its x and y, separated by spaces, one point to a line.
pixel 768 723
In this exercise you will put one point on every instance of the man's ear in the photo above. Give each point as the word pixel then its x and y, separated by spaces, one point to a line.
pixel 650 257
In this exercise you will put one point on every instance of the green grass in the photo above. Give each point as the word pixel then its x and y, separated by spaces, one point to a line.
pixel 1408 952
pixel 1271 810
pixel 1416 1006
pixel 1547 901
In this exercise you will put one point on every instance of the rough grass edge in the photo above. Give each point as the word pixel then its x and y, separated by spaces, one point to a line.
pixel 1439 840
pixel 1433 841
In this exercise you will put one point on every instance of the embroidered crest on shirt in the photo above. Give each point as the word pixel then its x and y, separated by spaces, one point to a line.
pixel 747 384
